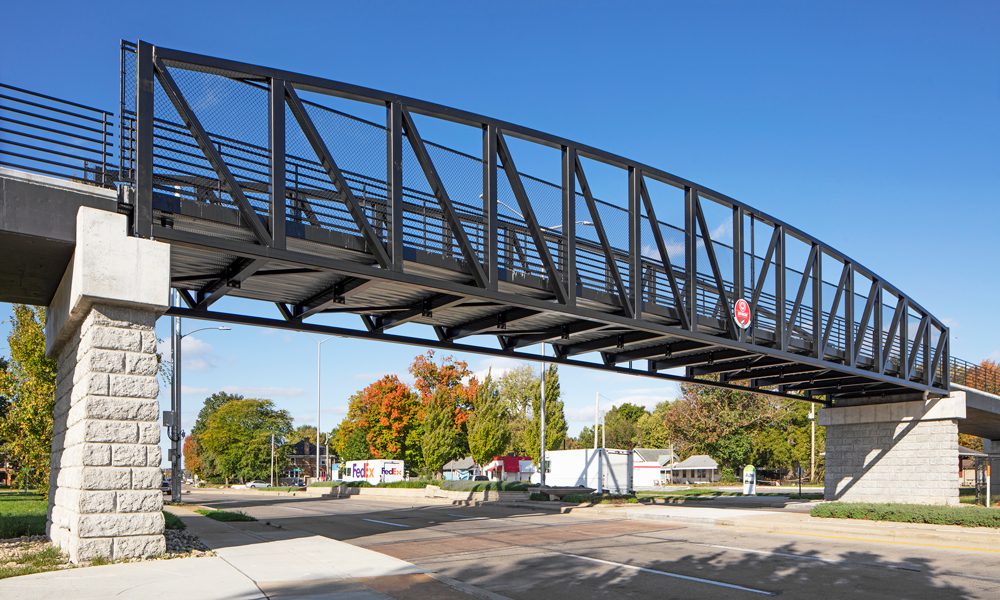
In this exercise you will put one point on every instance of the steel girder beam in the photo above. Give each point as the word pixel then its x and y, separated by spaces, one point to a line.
pixel 338 293
pixel 705 358
pixel 613 341
pixel 223 274
pixel 357 213
pixel 457 229
pixel 770 369
pixel 559 332
pixel 239 271
pixel 714 263
pixel 609 253
pixel 528 214
pixel 450 346
pixel 205 144
pixel 488 323
pixel 422 308
pixel 661 247
pixel 646 329
pixel 658 351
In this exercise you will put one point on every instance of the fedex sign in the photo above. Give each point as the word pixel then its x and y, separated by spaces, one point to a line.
pixel 374 471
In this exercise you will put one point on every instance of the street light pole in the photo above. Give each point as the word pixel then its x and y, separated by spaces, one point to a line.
pixel 541 462
pixel 175 433
pixel 319 354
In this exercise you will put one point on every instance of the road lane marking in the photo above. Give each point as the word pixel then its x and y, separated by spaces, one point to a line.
pixel 674 575
pixel 467 518
pixel 816 558
pixel 837 537
pixel 384 523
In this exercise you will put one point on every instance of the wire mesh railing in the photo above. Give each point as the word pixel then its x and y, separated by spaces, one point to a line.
pixel 50 136
pixel 984 376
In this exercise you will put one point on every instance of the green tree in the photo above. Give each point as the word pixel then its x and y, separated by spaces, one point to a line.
pixel 441 439
pixel 555 418
pixel 586 437
pixel 489 424
pixel 212 404
pixel 238 434
pixel 622 430
pixel 28 386
pixel 652 431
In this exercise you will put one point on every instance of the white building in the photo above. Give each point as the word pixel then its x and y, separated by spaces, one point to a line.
pixel 604 469
pixel 696 469
pixel 650 466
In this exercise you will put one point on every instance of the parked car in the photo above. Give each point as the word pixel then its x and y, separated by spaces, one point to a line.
pixel 165 486
pixel 258 484
pixel 480 478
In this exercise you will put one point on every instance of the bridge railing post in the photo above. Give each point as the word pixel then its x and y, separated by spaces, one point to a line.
pixel 142 211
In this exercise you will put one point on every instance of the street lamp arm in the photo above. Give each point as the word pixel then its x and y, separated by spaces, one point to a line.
pixel 203 329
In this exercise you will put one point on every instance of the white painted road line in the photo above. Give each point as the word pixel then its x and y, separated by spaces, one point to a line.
pixel 384 523
pixel 674 575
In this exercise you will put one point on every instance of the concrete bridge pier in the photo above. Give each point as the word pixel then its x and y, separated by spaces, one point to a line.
pixel 105 497
pixel 901 451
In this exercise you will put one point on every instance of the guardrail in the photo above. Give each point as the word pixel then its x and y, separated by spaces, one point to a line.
pixel 980 377
pixel 51 136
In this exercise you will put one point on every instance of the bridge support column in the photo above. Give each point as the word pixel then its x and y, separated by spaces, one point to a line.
pixel 894 452
pixel 104 495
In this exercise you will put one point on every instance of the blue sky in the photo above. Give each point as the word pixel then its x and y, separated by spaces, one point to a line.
pixel 873 126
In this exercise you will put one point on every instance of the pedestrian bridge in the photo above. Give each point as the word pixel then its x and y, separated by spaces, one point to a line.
pixel 320 197
pixel 317 198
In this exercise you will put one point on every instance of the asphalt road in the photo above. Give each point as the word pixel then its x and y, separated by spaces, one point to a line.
pixel 524 554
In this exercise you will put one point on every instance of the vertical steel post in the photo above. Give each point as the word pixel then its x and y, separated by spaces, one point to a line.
pixel 635 240
pixel 849 325
pixel 817 302
pixel 541 461
pixel 691 258
pixel 779 291
pixel 738 260
pixel 142 211
pixel 904 339
pixel 877 356
pixel 276 135
pixel 319 354
pixel 928 376
pixel 569 223
pixel 394 180
pixel 491 229
pixel 176 439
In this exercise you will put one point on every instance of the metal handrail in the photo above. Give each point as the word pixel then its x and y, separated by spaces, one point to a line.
pixel 74 142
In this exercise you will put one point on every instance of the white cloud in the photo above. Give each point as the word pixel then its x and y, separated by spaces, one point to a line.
pixel 994 356
pixel 497 366
pixel 950 322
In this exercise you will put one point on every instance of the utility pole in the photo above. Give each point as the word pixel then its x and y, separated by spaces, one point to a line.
pixel 541 461
pixel 272 459
pixel 597 415
pixel 812 443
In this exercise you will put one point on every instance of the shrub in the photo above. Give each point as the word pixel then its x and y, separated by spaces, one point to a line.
pixel 225 515
pixel 466 485
pixel 286 488
pixel 965 516
pixel 357 484
pixel 412 484
pixel 601 498
pixel 539 497
pixel 325 483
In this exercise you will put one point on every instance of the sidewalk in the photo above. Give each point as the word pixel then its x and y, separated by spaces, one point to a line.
pixel 797 523
pixel 253 562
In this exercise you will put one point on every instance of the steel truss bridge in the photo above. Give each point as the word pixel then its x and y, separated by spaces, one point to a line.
pixel 281 187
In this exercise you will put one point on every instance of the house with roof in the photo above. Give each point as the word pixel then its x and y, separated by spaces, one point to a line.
pixel 650 466
pixel 510 468
pixel 700 468
pixel 462 468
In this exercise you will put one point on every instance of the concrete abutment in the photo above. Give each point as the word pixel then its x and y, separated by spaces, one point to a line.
pixel 903 451
pixel 104 496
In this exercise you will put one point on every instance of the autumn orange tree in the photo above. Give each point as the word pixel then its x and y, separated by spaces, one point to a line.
pixel 387 411
pixel 447 393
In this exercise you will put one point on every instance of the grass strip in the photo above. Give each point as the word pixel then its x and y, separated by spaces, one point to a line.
pixel 225 515
pixel 35 562
pixel 964 516
pixel 22 515
pixel 172 521
pixel 601 498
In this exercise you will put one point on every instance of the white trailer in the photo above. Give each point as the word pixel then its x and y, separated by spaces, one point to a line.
pixel 604 469
pixel 374 471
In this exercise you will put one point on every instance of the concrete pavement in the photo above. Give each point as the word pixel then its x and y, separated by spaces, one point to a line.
pixel 253 561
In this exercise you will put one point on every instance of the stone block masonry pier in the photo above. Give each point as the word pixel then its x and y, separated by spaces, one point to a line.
pixel 904 451
pixel 104 497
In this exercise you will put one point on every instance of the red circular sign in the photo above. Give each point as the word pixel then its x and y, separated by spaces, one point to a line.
pixel 742 313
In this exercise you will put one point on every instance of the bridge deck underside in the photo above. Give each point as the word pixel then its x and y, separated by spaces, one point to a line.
pixel 328 272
